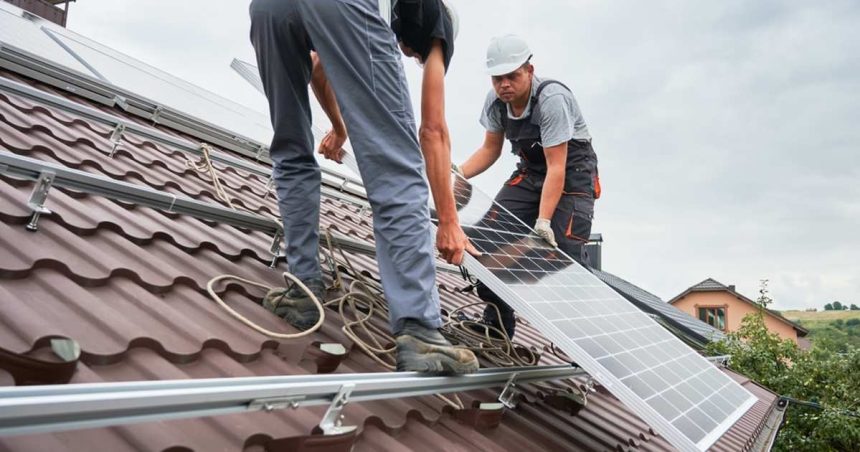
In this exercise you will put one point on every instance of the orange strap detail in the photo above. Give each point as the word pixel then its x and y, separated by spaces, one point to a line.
pixel 597 189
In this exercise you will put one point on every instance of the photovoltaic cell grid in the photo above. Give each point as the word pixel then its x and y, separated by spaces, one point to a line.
pixel 670 386
pixel 675 390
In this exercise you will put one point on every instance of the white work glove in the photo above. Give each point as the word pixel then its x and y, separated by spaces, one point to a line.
pixel 544 230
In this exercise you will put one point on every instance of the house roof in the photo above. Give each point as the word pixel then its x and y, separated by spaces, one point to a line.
pixel 648 302
pixel 127 283
pixel 712 285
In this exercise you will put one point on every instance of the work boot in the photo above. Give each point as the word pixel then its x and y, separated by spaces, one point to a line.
pixel 425 350
pixel 295 305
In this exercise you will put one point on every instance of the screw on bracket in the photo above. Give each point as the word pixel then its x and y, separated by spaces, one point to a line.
pixel 332 422
pixel 38 198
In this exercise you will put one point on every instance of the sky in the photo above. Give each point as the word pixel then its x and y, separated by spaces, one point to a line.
pixel 725 130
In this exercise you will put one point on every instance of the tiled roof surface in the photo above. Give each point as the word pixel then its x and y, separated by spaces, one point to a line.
pixel 652 303
pixel 709 284
pixel 128 284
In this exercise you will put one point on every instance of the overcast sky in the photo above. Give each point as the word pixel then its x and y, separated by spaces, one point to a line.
pixel 726 131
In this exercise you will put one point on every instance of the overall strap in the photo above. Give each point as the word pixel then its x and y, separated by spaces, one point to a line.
pixel 546 83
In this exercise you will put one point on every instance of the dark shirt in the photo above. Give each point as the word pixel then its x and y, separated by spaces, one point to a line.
pixel 418 22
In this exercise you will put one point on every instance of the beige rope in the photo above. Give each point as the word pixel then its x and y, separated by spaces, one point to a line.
pixel 364 300
pixel 205 166
pixel 254 326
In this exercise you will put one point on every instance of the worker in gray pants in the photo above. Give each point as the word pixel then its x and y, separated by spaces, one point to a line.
pixel 363 91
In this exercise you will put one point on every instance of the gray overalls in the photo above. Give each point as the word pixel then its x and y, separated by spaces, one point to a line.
pixel 521 194
pixel 363 64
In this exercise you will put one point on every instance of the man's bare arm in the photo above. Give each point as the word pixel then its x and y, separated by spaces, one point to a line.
pixel 485 156
pixel 331 145
pixel 436 146
pixel 553 185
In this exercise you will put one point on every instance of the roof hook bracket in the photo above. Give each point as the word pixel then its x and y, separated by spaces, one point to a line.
pixel 38 198
pixel 589 385
pixel 510 393
pixel 116 138
pixel 332 422
pixel 276 249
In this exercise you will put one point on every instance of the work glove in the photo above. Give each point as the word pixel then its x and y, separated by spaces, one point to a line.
pixel 544 230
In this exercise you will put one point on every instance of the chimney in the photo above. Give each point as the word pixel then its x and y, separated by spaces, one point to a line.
pixel 593 248
pixel 732 288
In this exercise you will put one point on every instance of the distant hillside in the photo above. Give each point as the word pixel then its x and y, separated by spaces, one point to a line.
pixel 840 327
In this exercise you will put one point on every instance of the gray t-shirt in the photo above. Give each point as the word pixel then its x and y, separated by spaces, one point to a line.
pixel 561 120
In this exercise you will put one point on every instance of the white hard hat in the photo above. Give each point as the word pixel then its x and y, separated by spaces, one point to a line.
pixel 506 54
pixel 455 18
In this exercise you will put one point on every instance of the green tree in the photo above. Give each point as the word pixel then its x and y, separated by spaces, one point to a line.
pixel 764 298
pixel 837 306
pixel 828 307
pixel 854 307
pixel 825 375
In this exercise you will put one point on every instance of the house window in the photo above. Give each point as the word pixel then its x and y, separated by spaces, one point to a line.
pixel 714 316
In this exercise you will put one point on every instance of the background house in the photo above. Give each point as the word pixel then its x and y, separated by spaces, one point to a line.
pixel 724 308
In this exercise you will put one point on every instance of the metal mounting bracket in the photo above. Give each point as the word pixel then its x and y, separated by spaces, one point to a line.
pixel 156 114
pixel 590 384
pixel 275 403
pixel 260 151
pixel 275 249
pixel 38 198
pixel 509 394
pixel 343 185
pixel 116 138
pixel 332 422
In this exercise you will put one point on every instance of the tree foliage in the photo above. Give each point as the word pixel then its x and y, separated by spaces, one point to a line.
pixel 854 307
pixel 828 307
pixel 837 306
pixel 827 375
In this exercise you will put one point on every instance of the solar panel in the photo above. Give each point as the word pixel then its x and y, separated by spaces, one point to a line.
pixel 653 303
pixel 677 392
pixel 26 35
pixel 165 89
pixel 680 394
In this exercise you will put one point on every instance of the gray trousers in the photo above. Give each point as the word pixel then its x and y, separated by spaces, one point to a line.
pixel 363 64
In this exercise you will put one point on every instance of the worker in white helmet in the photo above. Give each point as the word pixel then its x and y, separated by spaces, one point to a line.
pixel 363 92
pixel 555 184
